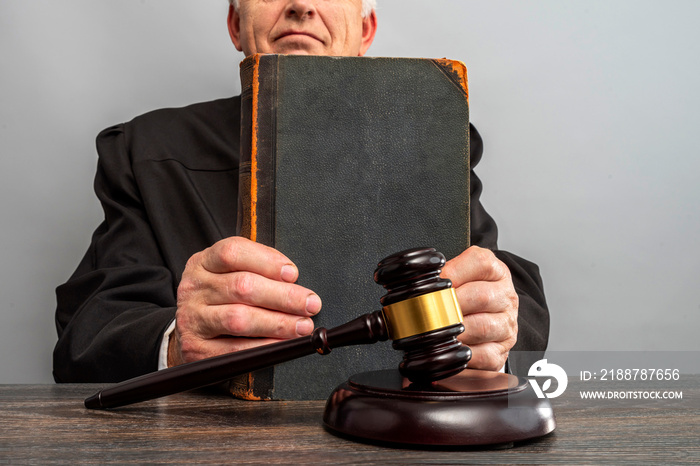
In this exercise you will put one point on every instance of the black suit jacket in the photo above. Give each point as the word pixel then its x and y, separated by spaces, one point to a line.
pixel 168 184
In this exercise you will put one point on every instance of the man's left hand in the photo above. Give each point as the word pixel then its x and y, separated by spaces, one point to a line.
pixel 489 304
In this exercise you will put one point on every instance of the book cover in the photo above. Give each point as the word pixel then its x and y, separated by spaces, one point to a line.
pixel 345 160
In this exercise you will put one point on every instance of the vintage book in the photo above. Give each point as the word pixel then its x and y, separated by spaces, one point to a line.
pixel 345 160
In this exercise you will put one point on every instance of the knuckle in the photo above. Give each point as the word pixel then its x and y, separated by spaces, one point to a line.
pixel 514 301
pixel 510 339
pixel 182 319
pixel 237 322
pixel 510 342
pixel 188 322
pixel 190 348
pixel 242 287
pixel 186 346
pixel 477 328
pixel 482 297
pixel 509 303
pixel 483 257
pixel 491 266
pixel 230 252
pixel 190 283
pixel 489 356
pixel 282 328
pixel 513 325
pixel 485 327
pixel 496 357
pixel 186 289
pixel 290 299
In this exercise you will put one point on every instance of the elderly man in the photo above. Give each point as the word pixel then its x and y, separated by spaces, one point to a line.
pixel 165 280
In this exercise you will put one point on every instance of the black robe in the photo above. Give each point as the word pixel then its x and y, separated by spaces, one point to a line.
pixel 168 184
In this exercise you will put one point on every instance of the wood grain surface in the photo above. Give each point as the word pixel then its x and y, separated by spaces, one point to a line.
pixel 45 424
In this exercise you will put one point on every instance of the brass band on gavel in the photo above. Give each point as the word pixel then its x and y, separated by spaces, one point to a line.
pixel 422 314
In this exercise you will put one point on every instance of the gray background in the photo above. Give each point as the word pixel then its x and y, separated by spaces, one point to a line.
pixel 588 109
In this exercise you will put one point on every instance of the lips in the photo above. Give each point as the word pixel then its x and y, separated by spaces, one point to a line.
pixel 297 33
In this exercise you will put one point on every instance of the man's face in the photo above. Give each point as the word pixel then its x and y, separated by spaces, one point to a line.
pixel 308 27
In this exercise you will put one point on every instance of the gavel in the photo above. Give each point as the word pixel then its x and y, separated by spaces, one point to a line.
pixel 420 314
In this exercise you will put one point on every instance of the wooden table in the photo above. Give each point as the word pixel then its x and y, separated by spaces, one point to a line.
pixel 47 423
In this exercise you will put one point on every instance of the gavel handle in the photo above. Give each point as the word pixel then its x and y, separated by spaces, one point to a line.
pixel 369 328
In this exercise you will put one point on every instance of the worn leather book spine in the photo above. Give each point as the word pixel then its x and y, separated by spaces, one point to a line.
pixel 345 160
pixel 255 188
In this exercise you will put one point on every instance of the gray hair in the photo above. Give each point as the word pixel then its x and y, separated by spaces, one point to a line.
pixel 367 6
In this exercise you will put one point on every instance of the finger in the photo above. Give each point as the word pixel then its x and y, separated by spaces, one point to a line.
pixel 484 296
pixel 474 264
pixel 223 345
pixel 484 328
pixel 488 356
pixel 194 349
pixel 245 321
pixel 240 254
pixel 258 291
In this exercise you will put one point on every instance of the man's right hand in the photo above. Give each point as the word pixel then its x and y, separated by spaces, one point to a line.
pixel 235 295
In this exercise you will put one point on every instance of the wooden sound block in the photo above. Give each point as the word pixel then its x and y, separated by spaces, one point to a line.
pixel 468 409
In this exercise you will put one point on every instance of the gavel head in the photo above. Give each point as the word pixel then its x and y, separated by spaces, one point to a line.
pixel 422 315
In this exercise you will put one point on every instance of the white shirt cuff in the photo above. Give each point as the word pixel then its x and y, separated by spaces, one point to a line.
pixel 164 343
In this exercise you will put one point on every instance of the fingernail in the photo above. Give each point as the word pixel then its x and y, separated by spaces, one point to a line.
pixel 289 273
pixel 313 304
pixel 304 327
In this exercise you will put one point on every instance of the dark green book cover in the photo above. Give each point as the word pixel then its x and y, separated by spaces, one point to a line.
pixel 345 160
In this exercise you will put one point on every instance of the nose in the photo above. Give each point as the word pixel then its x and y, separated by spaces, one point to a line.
pixel 301 9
